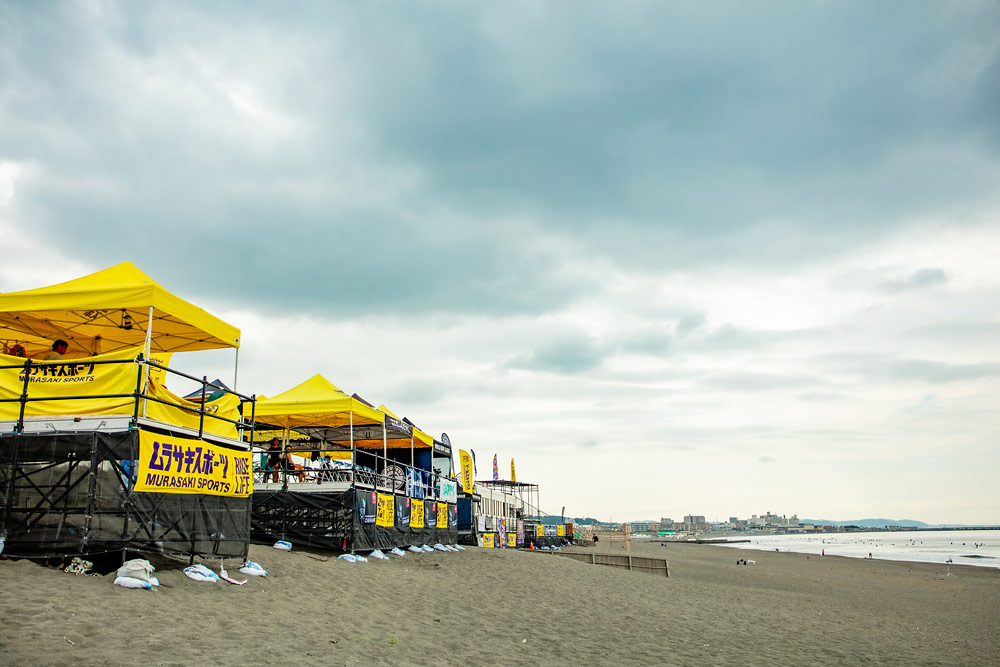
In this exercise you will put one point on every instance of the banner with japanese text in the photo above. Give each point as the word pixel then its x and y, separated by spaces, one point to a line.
pixel 416 513
pixel 385 515
pixel 488 540
pixel 511 540
pixel 468 484
pixel 169 464
pixel 539 531
pixel 442 515
pixel 561 531
pixel 70 382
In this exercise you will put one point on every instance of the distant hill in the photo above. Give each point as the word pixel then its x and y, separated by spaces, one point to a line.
pixel 871 523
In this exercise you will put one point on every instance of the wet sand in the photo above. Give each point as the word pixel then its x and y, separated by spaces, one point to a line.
pixel 487 606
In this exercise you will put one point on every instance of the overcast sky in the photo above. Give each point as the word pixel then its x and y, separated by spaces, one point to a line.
pixel 673 257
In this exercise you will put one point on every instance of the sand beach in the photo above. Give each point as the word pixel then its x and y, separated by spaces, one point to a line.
pixel 493 606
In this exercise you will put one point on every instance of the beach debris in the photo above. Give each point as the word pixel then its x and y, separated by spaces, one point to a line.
pixel 79 566
pixel 225 576
pixel 253 569
pixel 283 545
pixel 378 554
pixel 132 582
pixel 396 551
pixel 201 573
pixel 350 558
pixel 71 642
pixel 415 549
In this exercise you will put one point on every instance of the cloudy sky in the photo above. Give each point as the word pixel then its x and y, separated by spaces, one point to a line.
pixel 672 259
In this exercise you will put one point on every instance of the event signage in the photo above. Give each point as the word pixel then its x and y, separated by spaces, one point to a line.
pixel 511 540
pixel 449 491
pixel 539 531
pixel 416 513
pixel 513 475
pixel 385 515
pixel 561 531
pixel 402 512
pixel 181 465
pixel 488 541
pixel 442 515
pixel 468 485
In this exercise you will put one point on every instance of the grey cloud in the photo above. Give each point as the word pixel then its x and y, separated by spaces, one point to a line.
pixel 566 355
pixel 650 137
pixel 928 277
pixel 874 368
pixel 761 381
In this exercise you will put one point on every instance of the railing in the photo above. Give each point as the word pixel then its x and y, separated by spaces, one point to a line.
pixel 30 366
pixel 395 477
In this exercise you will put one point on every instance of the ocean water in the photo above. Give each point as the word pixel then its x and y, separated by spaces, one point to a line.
pixel 966 547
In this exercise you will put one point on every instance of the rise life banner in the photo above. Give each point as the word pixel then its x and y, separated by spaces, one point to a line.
pixel 169 464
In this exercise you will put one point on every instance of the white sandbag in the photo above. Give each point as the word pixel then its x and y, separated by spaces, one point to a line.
pixel 360 559
pixel 253 569
pixel 415 549
pixel 440 547
pixel 132 582
pixel 137 568
pixel 426 549
pixel 459 547
pixel 396 551
pixel 350 558
pixel 201 573
pixel 378 554
pixel 283 545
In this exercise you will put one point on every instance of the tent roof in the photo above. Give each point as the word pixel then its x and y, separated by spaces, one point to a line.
pixel 313 405
pixel 109 310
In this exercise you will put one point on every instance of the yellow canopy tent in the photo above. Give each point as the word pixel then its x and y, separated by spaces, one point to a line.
pixel 317 408
pixel 111 310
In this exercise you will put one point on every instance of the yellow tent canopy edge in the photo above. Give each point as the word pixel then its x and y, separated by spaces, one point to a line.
pixel 109 310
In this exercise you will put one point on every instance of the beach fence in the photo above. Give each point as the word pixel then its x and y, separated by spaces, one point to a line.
pixel 609 537
pixel 657 566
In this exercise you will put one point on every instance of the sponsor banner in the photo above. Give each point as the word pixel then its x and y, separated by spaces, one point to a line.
pixel 513 475
pixel 453 517
pixel 488 540
pixel 416 513
pixel 561 531
pixel 385 514
pixel 442 515
pixel 496 473
pixel 181 465
pixel 520 532
pixel 511 540
pixel 366 504
pixel 550 531
pixel 430 514
pixel 79 377
pixel 467 466
pixel 449 491
pixel 402 512
pixel 539 531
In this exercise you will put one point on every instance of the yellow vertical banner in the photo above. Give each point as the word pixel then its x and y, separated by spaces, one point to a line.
pixel 386 510
pixel 488 540
pixel 468 483
pixel 513 475
pixel 561 531
pixel 539 531
pixel 442 515
pixel 416 513
pixel 511 540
